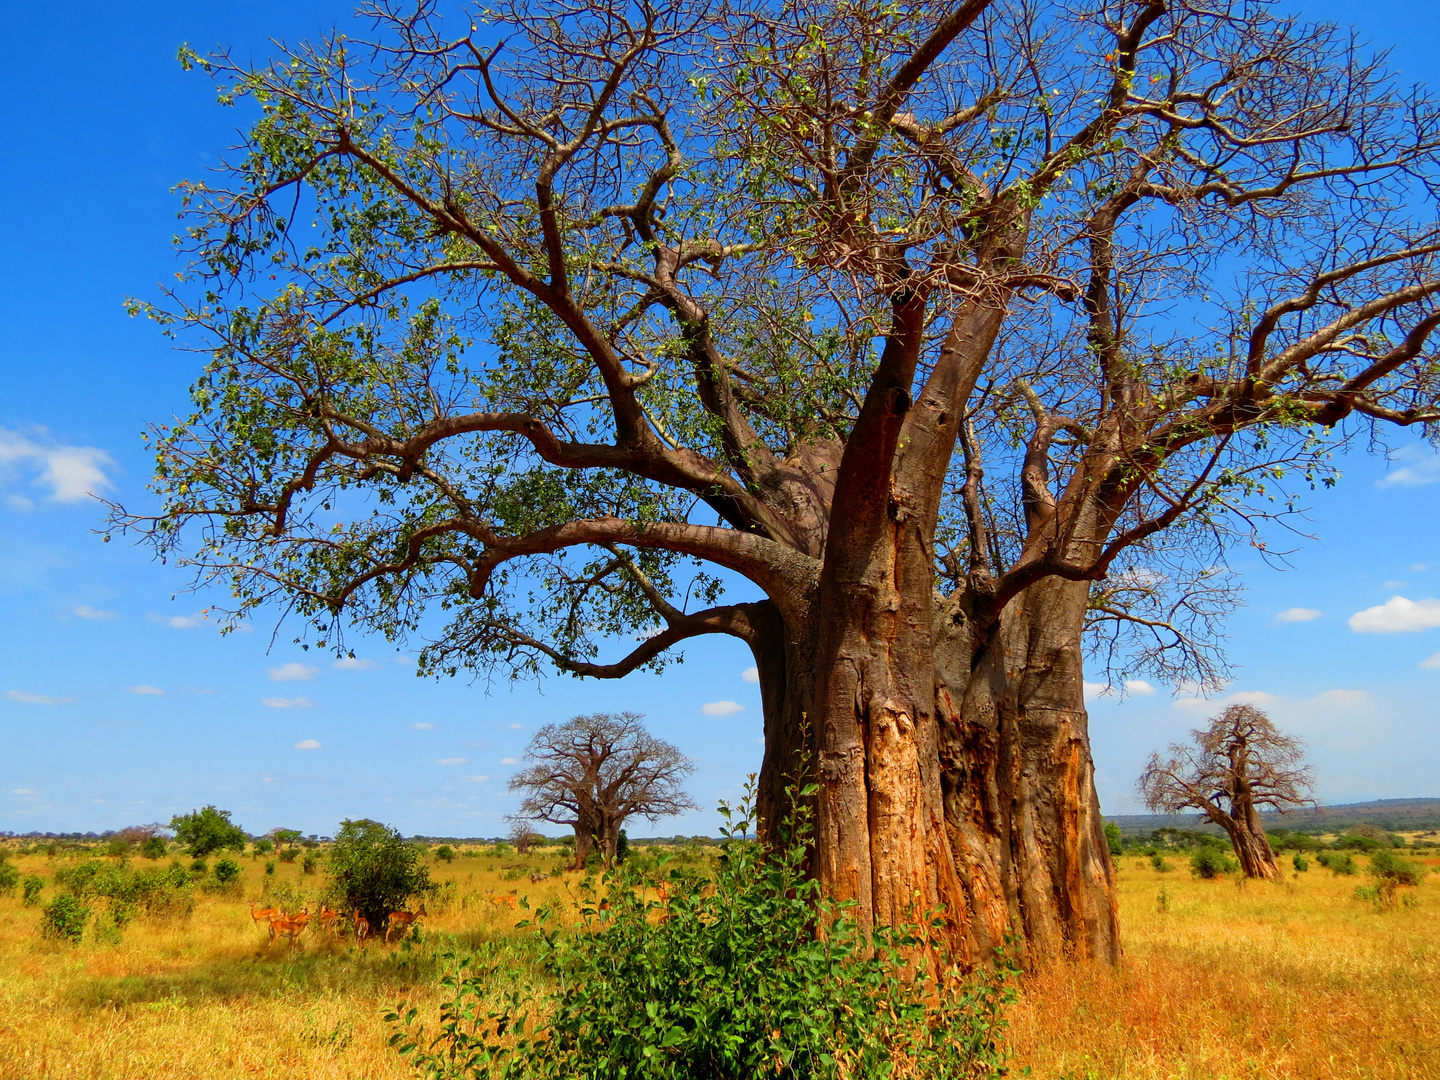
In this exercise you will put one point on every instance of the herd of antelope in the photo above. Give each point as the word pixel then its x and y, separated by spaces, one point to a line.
pixel 331 922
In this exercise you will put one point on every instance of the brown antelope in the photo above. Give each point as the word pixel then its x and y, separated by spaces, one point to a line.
pixel 503 900
pixel 264 914
pixel 329 919
pixel 362 927
pixel 288 926
pixel 402 920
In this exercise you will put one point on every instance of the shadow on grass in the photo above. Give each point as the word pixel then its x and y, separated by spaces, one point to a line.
pixel 321 967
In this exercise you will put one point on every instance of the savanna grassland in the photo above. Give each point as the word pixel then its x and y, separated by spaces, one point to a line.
pixel 1219 980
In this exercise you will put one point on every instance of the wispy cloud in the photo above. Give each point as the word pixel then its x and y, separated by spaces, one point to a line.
pixel 179 622
pixel 308 744
pixel 1243 697
pixel 354 663
pixel 721 708
pixel 1298 614
pixel 1139 687
pixel 751 674
pixel 1420 466
pixel 291 672
pixel 85 611
pixel 452 761
pixel 1342 698
pixel 517 727
pixel 478 779
pixel 287 702
pixel 37 699
pixel 72 473
pixel 422 727
pixel 145 689
pixel 509 761
pixel 1432 662
pixel 1397 615
pixel 23 791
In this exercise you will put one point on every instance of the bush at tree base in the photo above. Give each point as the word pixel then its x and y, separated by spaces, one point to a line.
pixel 1389 867
pixel 374 871
pixel 31 889
pixel 1337 864
pixel 154 848
pixel 732 982
pixel 9 878
pixel 64 919
pixel 1210 863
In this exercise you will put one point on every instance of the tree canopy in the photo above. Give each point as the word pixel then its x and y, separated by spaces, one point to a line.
pixel 208 830
pixel 373 870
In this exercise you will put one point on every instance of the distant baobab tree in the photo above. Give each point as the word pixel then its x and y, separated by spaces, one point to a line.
pixel 1238 764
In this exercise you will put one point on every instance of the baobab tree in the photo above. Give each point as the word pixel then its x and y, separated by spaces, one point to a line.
pixel 950 331
pixel 593 772
pixel 1238 764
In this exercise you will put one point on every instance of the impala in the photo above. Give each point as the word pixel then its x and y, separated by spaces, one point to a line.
pixel 362 927
pixel 288 926
pixel 329 919
pixel 401 920
pixel 264 914
pixel 504 899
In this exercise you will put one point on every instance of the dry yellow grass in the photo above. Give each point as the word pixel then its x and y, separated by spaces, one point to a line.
pixel 1300 980
pixel 1296 980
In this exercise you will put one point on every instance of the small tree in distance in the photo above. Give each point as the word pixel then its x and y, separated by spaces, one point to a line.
pixel 1238 764
pixel 208 830
pixel 593 772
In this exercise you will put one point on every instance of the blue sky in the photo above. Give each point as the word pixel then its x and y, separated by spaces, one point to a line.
pixel 120 703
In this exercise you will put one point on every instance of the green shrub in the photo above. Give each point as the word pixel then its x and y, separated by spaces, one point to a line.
pixel 289 855
pixel 622 847
pixel 1387 866
pixel 264 847
pixel 64 919
pixel 1112 838
pixel 1300 863
pixel 9 878
pixel 200 867
pixel 206 831
pixel 1337 864
pixel 226 871
pixel 445 853
pixel 154 848
pixel 31 889
pixel 500 850
pixel 269 866
pixel 1211 862
pixel 733 983
pixel 1158 862
pixel 374 871
pixel 310 863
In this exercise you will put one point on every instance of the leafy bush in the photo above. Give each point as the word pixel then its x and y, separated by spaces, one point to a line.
pixel 269 866
pixel 206 831
pixel 1387 866
pixel 227 870
pixel 9 878
pixel 1211 862
pixel 154 848
pixel 1112 838
pixel 200 867
pixel 1337 864
pixel 622 847
pixel 1301 863
pixel 64 919
pixel 288 855
pixel 156 893
pixel 501 850
pixel 264 847
pixel 374 871
pixel 733 982
pixel 445 853
pixel 310 863
pixel 31 889
pixel 1159 863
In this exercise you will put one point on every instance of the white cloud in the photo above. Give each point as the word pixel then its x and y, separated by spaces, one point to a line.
pixel 1341 698
pixel 1139 687
pixel 751 674
pixel 1432 662
pixel 475 779
pixel 405 658
pixel 721 708
pixel 509 761
pixel 287 702
pixel 517 727
pixel 452 761
pixel 354 663
pixel 291 672
pixel 1418 568
pixel 144 689
pixel 85 611
pixel 179 622
pixel 1093 690
pixel 1423 468
pixel 1397 615
pixel 1298 614
pixel 37 699
pixel 1251 697
pixel 70 472
pixel 422 727
pixel 23 791
pixel 1395 584
pixel 308 744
